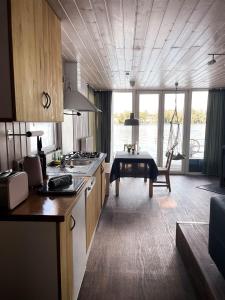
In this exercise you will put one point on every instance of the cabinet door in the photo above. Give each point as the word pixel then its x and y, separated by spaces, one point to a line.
pixel 29 260
pixel 78 244
pixel 103 182
pixel 53 64
pixel 98 192
pixel 91 217
pixel 55 52
pixel 36 48
pixel 27 41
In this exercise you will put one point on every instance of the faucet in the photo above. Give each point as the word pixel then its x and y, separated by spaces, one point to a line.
pixel 65 160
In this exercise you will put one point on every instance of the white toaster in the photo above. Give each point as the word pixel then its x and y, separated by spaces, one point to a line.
pixel 13 189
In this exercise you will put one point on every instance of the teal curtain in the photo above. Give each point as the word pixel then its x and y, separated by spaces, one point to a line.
pixel 103 100
pixel 215 132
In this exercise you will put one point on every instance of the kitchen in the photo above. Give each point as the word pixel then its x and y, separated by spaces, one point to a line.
pixel 62 64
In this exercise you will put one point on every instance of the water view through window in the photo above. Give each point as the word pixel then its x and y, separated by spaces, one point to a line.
pixel 148 128
pixel 169 108
pixel 154 130
pixel 198 123
pixel 121 109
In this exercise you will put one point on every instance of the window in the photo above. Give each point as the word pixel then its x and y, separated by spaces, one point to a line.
pixel 121 109
pixel 48 138
pixel 155 111
pixel 148 120
pixel 197 130
pixel 169 107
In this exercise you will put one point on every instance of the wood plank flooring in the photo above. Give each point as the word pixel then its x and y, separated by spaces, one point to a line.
pixel 134 256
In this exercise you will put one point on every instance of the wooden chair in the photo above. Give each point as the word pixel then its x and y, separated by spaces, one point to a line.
pixel 165 171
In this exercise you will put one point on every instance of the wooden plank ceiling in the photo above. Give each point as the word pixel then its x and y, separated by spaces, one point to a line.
pixel 157 42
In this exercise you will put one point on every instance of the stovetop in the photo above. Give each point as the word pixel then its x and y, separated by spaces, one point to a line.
pixel 70 189
pixel 83 155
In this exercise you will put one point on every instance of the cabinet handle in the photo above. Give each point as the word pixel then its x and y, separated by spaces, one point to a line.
pixel 74 223
pixel 46 103
pixel 102 169
pixel 50 101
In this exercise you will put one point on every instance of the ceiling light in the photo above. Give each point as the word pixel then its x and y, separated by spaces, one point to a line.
pixel 132 121
pixel 212 61
pixel 132 83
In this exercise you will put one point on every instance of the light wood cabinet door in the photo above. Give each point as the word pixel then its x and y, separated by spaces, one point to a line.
pixel 98 206
pixel 37 65
pixel 78 244
pixel 26 50
pixel 73 256
pixel 53 64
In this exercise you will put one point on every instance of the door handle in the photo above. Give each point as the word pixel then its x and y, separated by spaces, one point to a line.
pixel 45 103
pixel 74 222
pixel 50 100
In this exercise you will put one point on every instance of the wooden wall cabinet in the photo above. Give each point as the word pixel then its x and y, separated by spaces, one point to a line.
pixel 34 60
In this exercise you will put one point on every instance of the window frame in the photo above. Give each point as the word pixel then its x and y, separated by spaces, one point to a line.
pixel 186 123
pixel 47 149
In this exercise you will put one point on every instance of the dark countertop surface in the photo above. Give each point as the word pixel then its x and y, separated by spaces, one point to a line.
pixel 42 208
pixel 48 208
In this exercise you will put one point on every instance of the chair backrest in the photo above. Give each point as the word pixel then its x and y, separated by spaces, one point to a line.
pixel 169 159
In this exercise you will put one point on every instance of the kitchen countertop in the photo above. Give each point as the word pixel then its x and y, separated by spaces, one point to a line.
pixel 42 208
pixel 91 169
pixel 48 208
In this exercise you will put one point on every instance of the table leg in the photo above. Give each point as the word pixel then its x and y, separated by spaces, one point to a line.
pixel 150 188
pixel 117 186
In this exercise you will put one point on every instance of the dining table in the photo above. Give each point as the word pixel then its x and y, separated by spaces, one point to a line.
pixel 133 164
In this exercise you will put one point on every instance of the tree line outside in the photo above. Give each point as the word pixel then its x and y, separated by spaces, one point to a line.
pixel 197 117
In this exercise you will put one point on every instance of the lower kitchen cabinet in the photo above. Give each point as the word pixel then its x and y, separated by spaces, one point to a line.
pixel 93 206
pixel 44 260
pixel 30 260
pixel 43 256
pixel 76 247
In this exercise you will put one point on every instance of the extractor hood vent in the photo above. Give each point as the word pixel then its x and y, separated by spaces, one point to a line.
pixel 74 100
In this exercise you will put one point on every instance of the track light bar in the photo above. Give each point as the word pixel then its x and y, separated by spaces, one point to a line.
pixel 213 61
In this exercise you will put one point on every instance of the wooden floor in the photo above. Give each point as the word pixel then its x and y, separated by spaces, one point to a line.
pixel 134 255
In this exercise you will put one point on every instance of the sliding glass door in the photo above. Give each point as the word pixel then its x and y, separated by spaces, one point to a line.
pixel 197 130
pixel 155 110
pixel 148 118
pixel 121 109
pixel 169 107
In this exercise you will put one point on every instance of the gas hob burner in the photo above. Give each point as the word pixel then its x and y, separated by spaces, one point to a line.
pixel 84 155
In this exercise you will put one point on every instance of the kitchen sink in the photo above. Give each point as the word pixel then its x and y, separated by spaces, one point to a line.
pixel 78 162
